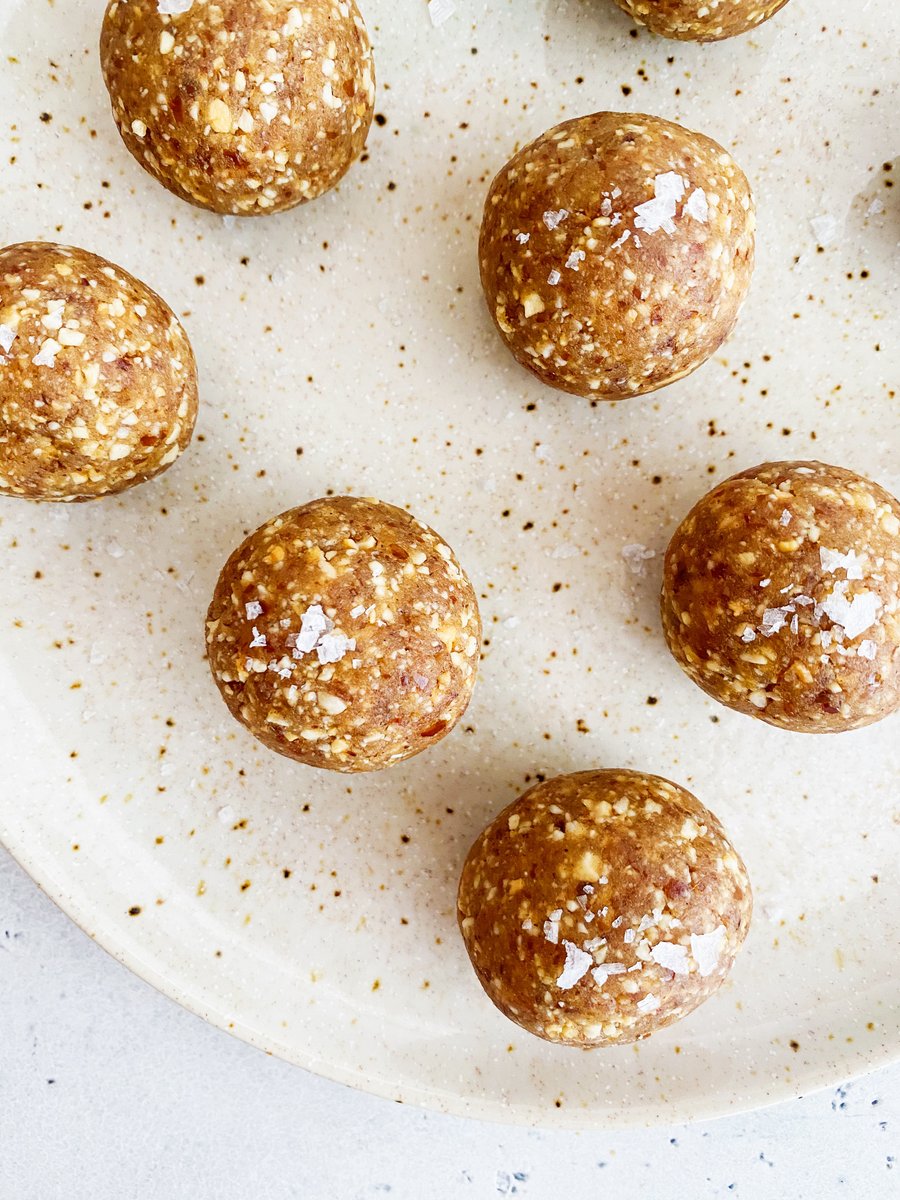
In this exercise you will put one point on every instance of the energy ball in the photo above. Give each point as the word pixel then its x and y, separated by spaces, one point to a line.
pixel 701 20
pixel 345 635
pixel 781 596
pixel 602 906
pixel 243 107
pixel 616 251
pixel 98 385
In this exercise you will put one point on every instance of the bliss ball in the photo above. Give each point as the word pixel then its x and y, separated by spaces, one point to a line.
pixel 701 20
pixel 602 906
pixel 243 107
pixel 345 635
pixel 781 596
pixel 616 251
pixel 98 385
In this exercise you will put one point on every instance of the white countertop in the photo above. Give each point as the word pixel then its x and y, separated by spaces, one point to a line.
pixel 110 1091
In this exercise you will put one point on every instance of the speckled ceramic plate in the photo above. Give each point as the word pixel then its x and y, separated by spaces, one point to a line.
pixel 344 346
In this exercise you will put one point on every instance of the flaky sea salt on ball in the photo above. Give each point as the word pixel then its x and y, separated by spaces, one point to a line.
pixel 602 906
pixel 781 596
pixel 98 385
pixel 701 20
pixel 616 251
pixel 241 107
pixel 345 634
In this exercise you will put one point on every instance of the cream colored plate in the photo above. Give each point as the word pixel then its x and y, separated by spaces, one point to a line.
pixel 353 329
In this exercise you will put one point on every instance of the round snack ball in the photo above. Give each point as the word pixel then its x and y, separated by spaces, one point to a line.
pixel 243 107
pixel 616 251
pixel 602 906
pixel 781 596
pixel 701 20
pixel 98 385
pixel 345 634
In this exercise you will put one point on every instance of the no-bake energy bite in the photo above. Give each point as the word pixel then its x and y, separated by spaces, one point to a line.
pixel 345 634
pixel 243 107
pixel 602 906
pixel 98 385
pixel 781 596
pixel 616 251
pixel 701 20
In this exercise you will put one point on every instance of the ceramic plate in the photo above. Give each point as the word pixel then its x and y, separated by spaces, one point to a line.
pixel 344 346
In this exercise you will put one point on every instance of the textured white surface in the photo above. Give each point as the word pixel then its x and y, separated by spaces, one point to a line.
pixel 355 330
pixel 148 1103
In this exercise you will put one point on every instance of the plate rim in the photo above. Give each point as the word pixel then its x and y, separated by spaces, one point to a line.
pixel 430 1099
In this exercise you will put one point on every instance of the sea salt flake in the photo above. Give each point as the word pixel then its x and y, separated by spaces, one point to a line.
pixel 749 635
pixel 658 213
pixel 333 646
pixel 649 1004
pixel 259 639
pixel 697 206
pixel 253 609
pixel 622 240
pixel 313 624
pixel 522 238
pixel 855 614
pixel 875 208
pixel 7 337
pixel 440 11
pixel 602 972
pixel 867 649
pixel 576 966
pixel 174 8
pixel 629 936
pixel 775 619
pixel 795 624
pixel 553 278
pixel 785 517
pixel 553 219
pixel 358 611
pixel 576 257
pixel 824 228
pixel 671 957
pixel 594 944
pixel 706 948
pixel 637 556
pixel 833 560
pixel 551 931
